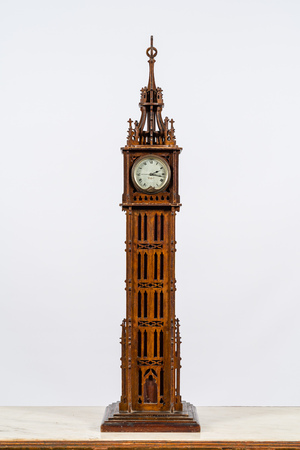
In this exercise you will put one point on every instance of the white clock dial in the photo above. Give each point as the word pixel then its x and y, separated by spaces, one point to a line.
pixel 151 173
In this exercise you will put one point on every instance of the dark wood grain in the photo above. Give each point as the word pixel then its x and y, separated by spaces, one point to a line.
pixel 148 421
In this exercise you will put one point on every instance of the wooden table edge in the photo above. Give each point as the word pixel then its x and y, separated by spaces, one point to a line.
pixel 149 444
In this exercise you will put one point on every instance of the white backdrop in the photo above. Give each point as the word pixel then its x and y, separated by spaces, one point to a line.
pixel 70 77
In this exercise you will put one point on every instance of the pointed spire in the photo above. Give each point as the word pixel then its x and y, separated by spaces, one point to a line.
pixel 151 129
pixel 151 52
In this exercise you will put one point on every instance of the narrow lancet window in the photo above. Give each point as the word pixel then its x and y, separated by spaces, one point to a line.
pixel 145 343
pixel 161 305
pixel 145 227
pixel 139 344
pixel 155 344
pixel 145 304
pixel 161 382
pixel 161 266
pixel 139 304
pixel 162 227
pixel 139 227
pixel 161 344
pixel 145 265
pixel 140 382
pixel 155 227
pixel 155 266
pixel 139 266
pixel 155 304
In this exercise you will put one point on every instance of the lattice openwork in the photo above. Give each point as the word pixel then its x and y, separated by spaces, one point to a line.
pixel 152 362
pixel 150 285
pixel 154 323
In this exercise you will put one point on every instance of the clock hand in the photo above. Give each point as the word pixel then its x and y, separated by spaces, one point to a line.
pixel 153 174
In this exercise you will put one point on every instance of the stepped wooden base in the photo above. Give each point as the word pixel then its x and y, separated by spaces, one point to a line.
pixel 147 421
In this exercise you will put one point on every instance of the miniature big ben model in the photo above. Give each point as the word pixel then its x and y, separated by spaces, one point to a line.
pixel 150 340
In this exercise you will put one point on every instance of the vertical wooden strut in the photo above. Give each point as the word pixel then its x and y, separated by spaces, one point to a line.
pixel 150 361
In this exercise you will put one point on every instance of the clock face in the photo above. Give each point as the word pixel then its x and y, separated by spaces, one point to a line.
pixel 151 173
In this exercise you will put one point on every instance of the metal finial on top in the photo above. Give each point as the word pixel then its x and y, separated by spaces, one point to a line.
pixel 151 51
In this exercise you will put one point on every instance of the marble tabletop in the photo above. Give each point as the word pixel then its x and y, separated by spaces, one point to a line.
pixel 82 423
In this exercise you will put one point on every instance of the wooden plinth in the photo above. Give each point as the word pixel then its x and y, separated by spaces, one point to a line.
pixel 147 421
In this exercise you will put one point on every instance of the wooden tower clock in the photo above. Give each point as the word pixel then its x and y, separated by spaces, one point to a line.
pixel 150 340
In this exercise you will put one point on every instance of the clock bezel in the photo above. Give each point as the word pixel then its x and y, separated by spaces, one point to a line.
pixel 151 189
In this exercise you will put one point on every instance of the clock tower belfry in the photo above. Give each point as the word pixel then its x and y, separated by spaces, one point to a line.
pixel 150 341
